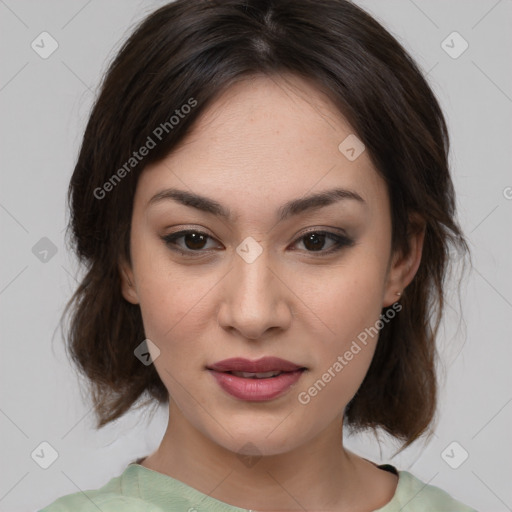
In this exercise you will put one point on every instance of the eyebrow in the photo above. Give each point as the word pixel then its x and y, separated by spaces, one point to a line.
pixel 289 209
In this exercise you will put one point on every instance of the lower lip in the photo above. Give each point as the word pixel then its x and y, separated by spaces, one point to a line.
pixel 256 390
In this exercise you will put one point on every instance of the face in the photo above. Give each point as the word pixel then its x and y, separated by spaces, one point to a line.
pixel 260 269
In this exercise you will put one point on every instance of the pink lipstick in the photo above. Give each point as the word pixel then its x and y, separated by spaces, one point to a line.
pixel 257 381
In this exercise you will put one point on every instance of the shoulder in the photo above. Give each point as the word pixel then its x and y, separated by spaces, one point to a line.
pixel 414 495
pixel 92 501
pixel 119 494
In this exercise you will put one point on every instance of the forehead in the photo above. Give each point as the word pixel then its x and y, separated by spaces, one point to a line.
pixel 286 114
pixel 264 138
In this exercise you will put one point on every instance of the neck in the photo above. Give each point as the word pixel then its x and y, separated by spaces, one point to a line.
pixel 319 474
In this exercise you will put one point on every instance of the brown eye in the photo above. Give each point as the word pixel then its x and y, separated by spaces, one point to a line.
pixel 193 241
pixel 314 241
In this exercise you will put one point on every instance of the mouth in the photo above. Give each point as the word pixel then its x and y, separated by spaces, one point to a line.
pixel 261 380
pixel 266 367
pixel 251 375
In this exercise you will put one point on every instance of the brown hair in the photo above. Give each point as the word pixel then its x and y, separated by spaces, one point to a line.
pixel 195 50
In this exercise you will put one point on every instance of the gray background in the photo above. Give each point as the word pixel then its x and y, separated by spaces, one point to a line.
pixel 44 105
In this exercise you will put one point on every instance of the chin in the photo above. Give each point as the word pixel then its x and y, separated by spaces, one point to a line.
pixel 253 438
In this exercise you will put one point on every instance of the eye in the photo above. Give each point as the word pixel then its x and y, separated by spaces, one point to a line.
pixel 194 241
pixel 314 241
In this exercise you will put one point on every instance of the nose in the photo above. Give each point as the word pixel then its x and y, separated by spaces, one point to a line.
pixel 256 300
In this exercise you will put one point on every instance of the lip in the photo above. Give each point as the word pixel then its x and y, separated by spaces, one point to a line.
pixel 265 364
pixel 256 390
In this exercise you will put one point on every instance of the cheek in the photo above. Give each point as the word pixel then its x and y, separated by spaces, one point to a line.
pixel 349 298
pixel 168 296
pixel 175 304
pixel 173 309
pixel 349 305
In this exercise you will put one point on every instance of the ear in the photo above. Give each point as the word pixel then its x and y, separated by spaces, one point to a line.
pixel 127 282
pixel 403 266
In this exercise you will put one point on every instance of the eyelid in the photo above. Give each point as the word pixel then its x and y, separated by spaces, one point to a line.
pixel 328 231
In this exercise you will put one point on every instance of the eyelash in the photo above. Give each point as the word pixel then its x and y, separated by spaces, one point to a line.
pixel 341 241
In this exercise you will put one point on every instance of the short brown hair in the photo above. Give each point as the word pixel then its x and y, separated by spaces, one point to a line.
pixel 196 49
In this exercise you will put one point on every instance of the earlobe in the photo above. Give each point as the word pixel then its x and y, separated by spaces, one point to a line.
pixel 404 266
pixel 127 287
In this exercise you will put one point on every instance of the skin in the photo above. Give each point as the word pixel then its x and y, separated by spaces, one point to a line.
pixel 260 144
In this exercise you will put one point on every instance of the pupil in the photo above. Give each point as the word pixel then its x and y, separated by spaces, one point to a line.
pixel 312 237
pixel 196 239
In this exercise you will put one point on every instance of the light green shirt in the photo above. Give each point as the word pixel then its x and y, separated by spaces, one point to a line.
pixel 139 489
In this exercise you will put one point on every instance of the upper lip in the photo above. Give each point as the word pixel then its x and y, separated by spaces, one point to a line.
pixel 265 364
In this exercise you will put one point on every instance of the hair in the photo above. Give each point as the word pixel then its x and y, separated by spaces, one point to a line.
pixel 192 51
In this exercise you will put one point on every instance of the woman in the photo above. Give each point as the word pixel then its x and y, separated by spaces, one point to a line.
pixel 263 203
